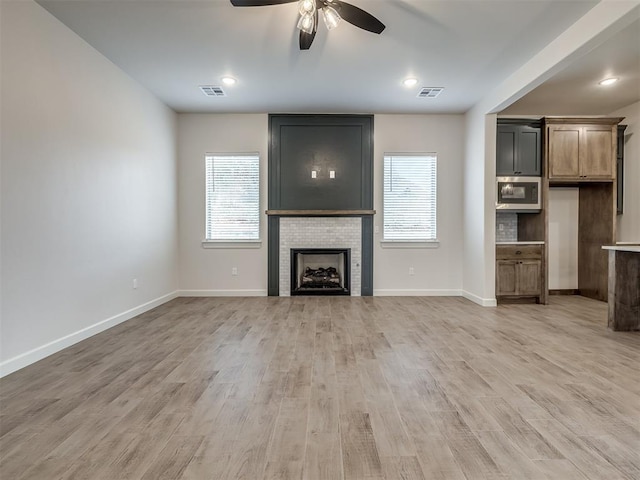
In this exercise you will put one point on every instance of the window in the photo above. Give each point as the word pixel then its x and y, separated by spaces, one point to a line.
pixel 232 197
pixel 409 203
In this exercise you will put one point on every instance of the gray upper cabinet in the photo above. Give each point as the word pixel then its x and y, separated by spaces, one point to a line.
pixel 519 151
pixel 620 169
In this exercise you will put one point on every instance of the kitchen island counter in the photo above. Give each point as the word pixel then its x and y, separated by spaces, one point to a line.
pixel 624 287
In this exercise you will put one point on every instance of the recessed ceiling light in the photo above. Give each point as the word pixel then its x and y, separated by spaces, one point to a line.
pixel 608 81
pixel 228 80
pixel 410 82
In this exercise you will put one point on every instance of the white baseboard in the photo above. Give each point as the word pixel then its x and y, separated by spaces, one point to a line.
pixel 222 293
pixel 417 293
pixel 20 361
pixel 485 302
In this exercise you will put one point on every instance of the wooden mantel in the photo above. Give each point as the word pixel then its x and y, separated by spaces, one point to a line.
pixel 318 213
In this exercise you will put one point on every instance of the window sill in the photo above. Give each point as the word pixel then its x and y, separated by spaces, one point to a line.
pixel 232 244
pixel 409 243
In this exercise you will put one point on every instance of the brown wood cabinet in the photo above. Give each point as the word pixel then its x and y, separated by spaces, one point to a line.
pixel 581 149
pixel 519 271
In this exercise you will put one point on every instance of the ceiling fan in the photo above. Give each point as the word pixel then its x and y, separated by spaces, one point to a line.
pixel 332 12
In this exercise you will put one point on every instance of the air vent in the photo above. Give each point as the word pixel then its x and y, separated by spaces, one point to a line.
pixel 430 92
pixel 212 91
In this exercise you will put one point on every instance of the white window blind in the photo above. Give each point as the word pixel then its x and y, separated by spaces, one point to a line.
pixel 409 203
pixel 232 197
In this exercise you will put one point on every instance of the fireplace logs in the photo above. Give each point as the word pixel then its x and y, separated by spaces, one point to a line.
pixel 320 278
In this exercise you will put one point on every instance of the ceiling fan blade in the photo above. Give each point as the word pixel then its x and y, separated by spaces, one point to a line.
pixel 258 3
pixel 306 39
pixel 358 17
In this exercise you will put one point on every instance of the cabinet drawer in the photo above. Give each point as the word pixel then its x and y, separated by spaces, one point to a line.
pixel 515 252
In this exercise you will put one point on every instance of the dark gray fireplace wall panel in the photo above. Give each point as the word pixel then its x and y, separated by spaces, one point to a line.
pixel 299 144
pixel 366 270
pixel 302 143
pixel 273 260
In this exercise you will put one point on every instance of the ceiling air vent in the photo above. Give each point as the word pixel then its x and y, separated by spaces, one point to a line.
pixel 212 91
pixel 430 92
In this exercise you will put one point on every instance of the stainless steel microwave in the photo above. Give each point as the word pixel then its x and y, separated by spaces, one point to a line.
pixel 518 193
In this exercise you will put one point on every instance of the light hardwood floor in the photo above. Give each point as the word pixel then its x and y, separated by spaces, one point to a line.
pixel 333 388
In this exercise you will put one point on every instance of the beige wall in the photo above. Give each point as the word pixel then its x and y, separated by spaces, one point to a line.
pixel 209 271
pixel 88 190
pixel 563 238
pixel 205 271
pixel 629 221
pixel 437 271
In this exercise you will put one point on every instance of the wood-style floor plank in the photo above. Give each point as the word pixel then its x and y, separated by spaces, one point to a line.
pixel 333 388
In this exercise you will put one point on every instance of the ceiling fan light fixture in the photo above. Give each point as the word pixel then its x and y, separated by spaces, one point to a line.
pixel 331 17
pixel 306 7
pixel 306 23
pixel 333 12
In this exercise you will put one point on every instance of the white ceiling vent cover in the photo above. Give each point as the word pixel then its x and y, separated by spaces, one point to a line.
pixel 430 92
pixel 212 91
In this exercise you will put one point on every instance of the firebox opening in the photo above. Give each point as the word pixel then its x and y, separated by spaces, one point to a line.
pixel 320 271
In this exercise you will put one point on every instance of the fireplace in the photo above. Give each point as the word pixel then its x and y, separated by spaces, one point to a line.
pixel 313 233
pixel 320 271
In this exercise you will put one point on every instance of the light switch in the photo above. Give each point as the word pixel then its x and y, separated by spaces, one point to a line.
pixel 314 174
pixel 332 174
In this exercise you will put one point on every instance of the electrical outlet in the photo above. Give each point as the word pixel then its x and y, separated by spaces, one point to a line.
pixel 135 283
pixel 411 271
pixel 376 229
pixel 234 271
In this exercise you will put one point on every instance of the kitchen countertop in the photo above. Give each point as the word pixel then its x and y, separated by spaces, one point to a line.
pixel 531 242
pixel 623 248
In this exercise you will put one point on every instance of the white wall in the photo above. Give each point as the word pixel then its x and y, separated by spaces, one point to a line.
pixel 437 271
pixel 208 271
pixel 479 207
pixel 563 238
pixel 88 190
pixel 629 221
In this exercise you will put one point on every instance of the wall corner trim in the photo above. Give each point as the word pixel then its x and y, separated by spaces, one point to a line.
pixel 485 302
pixel 32 356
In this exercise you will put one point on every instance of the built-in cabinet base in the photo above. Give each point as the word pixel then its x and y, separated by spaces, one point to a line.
pixel 519 272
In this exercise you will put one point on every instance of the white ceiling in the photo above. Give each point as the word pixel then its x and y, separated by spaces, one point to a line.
pixel 575 90
pixel 468 47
